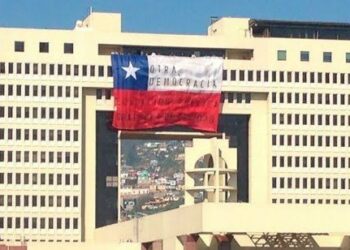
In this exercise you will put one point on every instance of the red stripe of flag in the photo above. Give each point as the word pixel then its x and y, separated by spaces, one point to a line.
pixel 139 109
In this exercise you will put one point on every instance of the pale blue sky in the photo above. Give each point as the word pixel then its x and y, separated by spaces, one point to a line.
pixel 167 16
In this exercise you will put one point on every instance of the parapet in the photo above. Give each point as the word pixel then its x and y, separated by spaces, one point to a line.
pixel 99 21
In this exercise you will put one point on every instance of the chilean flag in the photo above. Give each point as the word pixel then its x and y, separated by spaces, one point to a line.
pixel 162 91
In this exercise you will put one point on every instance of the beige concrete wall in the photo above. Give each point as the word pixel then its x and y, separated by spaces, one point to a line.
pixel 89 167
pixel 84 246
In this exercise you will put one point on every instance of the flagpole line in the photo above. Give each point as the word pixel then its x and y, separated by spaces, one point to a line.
pixel 119 175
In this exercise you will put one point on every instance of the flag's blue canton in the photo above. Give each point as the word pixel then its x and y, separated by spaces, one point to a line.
pixel 130 72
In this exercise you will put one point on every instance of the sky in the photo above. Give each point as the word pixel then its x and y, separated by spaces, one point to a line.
pixel 167 16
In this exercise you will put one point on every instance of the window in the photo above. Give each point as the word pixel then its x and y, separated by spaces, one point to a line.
pixel 241 75
pixel 59 69
pixel 76 114
pixel 50 179
pixel 68 48
pixel 43 47
pixel 304 56
pixel 67 137
pixel 2 68
pixel 35 90
pixel 75 223
pixel 42 201
pixel 250 75
pixel 42 157
pixel 67 113
pixel 76 70
pixel 10 69
pixel 43 69
pixel 27 68
pixel 281 55
pixel 43 91
pixel 42 223
pixel 84 70
pixel 75 157
pixel 67 91
pixel 75 201
pixel 67 157
pixel 68 67
pixel 10 90
pixel 66 223
pixel 52 69
pixel 266 76
pixel 42 179
pixel 35 68
pixel 59 91
pixel 18 222
pixel 75 179
pixel 296 76
pixel 76 92
pixel 92 70
pixel 347 57
pixel 67 179
pixel 67 201
pixel 274 76
pixel 327 56
pixel 101 71
pixel 19 90
pixel 19 46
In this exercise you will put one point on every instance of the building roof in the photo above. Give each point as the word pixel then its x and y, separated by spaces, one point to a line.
pixel 300 29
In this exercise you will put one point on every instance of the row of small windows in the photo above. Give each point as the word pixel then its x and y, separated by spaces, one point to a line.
pixel 37 201
pixel 311 140
pixel 39 179
pixel 310 183
pixel 39 135
pixel 286 76
pixel 311 201
pixel 39 91
pixel 38 223
pixel 39 113
pixel 310 98
pixel 235 97
pixel 310 119
pixel 305 56
pixel 44 47
pixel 39 157
pixel 55 69
pixel 310 161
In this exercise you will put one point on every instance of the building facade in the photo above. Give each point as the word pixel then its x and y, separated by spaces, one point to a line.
pixel 286 83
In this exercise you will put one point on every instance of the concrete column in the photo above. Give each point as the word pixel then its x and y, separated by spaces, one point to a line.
pixel 89 166
pixel 146 246
pixel 157 245
pixel 154 245
pixel 189 241
pixel 224 241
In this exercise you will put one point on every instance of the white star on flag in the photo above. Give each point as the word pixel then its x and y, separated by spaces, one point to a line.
pixel 130 71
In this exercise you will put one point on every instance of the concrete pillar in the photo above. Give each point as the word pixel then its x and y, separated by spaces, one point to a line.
pixel 189 242
pixel 146 246
pixel 224 242
pixel 157 245
pixel 154 245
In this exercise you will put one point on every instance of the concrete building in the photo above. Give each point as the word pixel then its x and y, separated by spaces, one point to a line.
pixel 285 111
